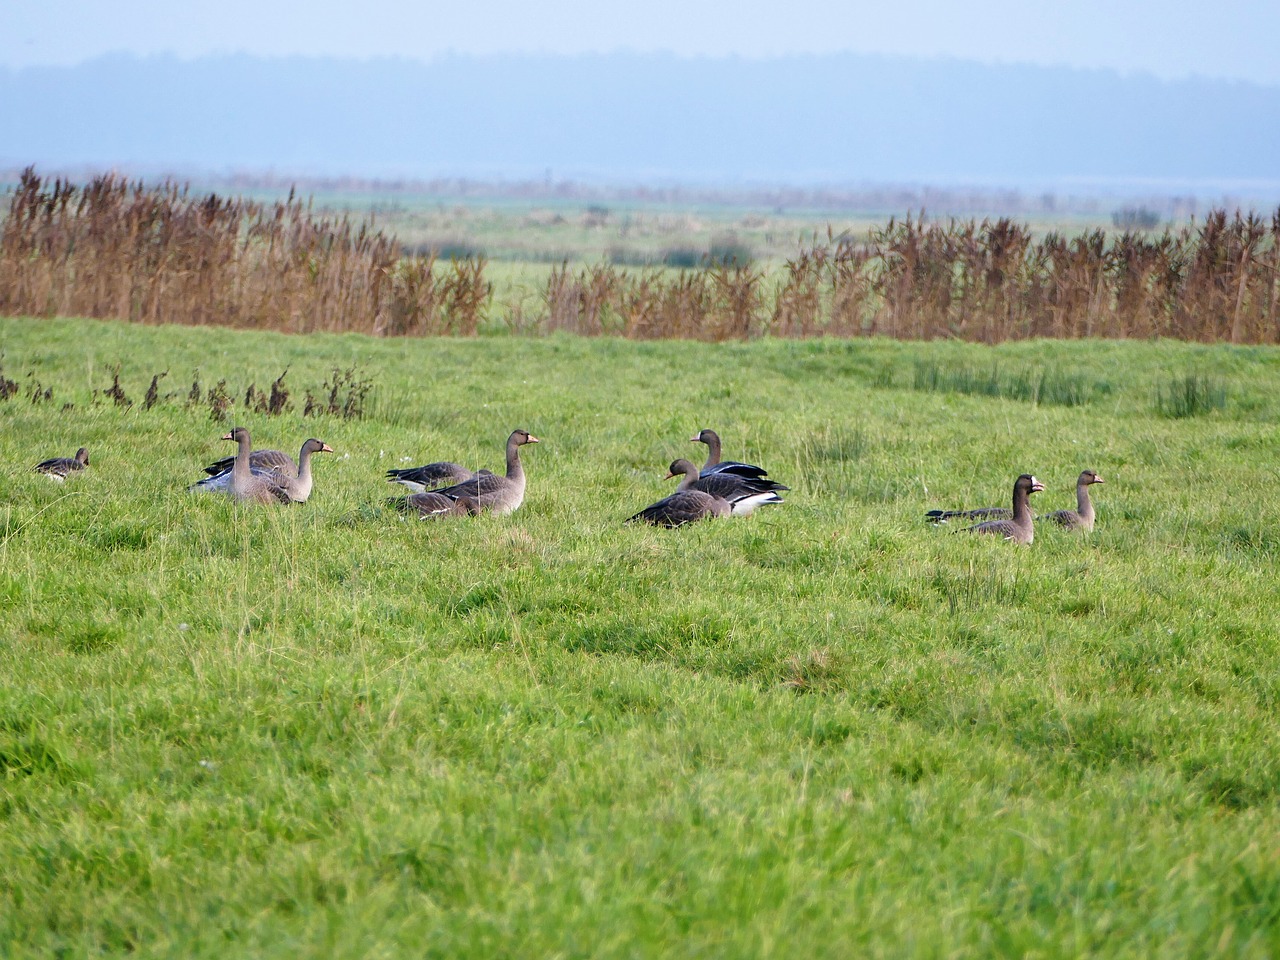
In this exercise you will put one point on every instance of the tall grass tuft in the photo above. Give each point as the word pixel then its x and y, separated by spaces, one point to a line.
pixel 1190 395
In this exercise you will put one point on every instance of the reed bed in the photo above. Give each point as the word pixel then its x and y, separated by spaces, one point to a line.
pixel 156 254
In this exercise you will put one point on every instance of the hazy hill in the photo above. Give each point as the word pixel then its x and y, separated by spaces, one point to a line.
pixel 843 118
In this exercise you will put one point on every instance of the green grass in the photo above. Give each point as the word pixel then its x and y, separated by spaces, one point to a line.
pixel 826 730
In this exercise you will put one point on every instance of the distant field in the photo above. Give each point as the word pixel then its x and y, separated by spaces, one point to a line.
pixel 826 730
pixel 629 231
pixel 628 234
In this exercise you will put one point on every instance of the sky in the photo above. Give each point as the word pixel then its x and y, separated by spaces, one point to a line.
pixel 1228 39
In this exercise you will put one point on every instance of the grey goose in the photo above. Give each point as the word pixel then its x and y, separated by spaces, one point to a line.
pixel 1081 518
pixel 243 483
pixel 715 465
pixel 59 468
pixel 1020 527
pixel 686 505
pixel 483 492
pixel 271 465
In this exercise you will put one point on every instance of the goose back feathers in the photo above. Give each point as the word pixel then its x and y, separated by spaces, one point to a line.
pixel 276 460
pixel 743 494
pixel 430 505
pixel 979 513
pixel 429 476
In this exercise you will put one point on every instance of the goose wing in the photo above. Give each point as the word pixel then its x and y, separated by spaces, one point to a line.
pixel 429 476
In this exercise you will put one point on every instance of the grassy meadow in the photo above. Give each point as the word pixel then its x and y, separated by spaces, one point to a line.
pixel 826 730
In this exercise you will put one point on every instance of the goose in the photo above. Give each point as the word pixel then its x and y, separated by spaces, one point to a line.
pixel 429 476
pixel 743 493
pixel 1081 518
pixel 484 492
pixel 715 465
pixel 685 505
pixel 247 486
pixel 294 479
pixel 1019 527
pixel 59 468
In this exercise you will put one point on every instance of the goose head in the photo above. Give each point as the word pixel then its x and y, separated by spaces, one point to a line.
pixel 1028 484
pixel 705 436
pixel 681 468
pixel 521 437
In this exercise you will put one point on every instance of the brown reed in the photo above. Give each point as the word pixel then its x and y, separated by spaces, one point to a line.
pixel 156 254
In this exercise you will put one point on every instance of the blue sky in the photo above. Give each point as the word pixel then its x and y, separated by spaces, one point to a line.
pixel 1171 38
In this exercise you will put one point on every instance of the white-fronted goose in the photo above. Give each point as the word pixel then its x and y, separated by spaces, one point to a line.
pixel 1020 527
pixel 484 492
pixel 744 494
pixel 685 505
pixel 715 465
pixel 429 476
pixel 59 468
pixel 247 486
pixel 296 482
pixel 1081 518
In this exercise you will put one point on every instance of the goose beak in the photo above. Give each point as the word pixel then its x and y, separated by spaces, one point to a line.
pixel 1098 479
pixel 228 437
pixel 533 439
pixel 325 448
pixel 669 475
pixel 1036 486
pixel 695 439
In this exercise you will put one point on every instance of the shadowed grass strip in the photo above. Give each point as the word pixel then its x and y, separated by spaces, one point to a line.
pixel 1048 386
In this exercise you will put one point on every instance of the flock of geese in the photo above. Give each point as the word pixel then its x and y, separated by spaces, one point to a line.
pixel 719 488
